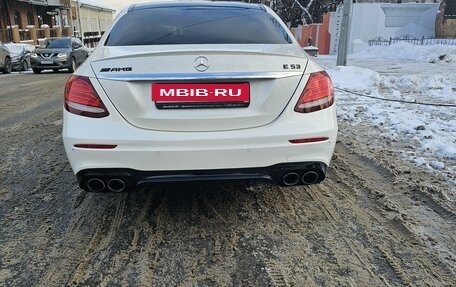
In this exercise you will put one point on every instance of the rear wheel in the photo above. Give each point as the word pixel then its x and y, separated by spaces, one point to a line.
pixel 7 68
pixel 73 66
pixel 36 71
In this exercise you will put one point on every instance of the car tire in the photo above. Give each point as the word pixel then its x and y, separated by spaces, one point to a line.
pixel 7 68
pixel 25 66
pixel 73 66
pixel 36 71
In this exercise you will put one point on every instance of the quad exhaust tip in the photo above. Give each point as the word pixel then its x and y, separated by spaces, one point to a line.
pixel 116 185
pixel 95 185
pixel 291 178
pixel 98 185
pixel 309 177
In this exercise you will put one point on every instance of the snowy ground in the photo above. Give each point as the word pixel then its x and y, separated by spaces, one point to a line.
pixel 426 134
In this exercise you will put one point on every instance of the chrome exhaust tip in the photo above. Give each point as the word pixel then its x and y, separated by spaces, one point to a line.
pixel 95 185
pixel 310 177
pixel 116 185
pixel 291 178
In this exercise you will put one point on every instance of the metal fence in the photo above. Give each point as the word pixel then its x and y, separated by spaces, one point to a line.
pixel 379 41
pixel 91 39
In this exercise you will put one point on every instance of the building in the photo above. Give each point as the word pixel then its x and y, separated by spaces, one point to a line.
pixel 445 23
pixel 90 20
pixel 385 20
pixel 22 18
pixel 381 19
pixel 31 21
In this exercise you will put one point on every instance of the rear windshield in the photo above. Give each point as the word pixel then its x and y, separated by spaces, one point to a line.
pixel 197 25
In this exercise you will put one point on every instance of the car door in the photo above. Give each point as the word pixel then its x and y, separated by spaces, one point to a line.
pixel 2 55
pixel 84 51
pixel 28 50
pixel 74 52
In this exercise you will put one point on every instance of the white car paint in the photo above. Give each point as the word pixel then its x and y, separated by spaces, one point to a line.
pixel 149 139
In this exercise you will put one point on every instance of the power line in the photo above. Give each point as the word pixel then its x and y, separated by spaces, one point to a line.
pixel 394 100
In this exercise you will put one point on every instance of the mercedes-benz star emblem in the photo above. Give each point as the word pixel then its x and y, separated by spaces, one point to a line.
pixel 201 64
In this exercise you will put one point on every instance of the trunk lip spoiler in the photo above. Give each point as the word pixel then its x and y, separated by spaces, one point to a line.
pixel 199 76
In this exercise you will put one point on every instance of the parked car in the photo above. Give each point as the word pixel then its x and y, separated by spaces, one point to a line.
pixel 20 55
pixel 5 59
pixel 203 91
pixel 59 53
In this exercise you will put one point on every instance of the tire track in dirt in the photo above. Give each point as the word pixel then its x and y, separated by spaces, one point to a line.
pixel 24 101
pixel 149 255
pixel 99 244
pixel 352 246
pixel 398 233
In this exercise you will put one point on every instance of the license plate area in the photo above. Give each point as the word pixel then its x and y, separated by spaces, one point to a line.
pixel 47 62
pixel 200 95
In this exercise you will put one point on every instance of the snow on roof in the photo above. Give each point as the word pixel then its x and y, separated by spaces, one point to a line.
pixel 94 4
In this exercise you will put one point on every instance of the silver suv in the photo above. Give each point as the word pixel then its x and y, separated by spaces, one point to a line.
pixel 5 59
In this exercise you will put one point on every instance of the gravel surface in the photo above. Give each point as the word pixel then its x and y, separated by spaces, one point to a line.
pixel 375 221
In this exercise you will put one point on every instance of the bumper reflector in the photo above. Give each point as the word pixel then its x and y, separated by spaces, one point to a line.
pixel 96 146
pixel 309 140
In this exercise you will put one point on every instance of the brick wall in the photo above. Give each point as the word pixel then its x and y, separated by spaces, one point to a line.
pixel 319 33
pixel 22 8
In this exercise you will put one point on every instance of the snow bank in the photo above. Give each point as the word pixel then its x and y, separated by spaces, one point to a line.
pixel 410 52
pixel 432 128
pixel 355 78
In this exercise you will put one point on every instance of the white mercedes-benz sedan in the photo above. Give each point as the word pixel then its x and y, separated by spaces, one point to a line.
pixel 198 91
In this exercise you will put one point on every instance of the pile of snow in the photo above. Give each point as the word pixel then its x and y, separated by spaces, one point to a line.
pixel 433 128
pixel 437 88
pixel 441 87
pixel 415 53
pixel 355 78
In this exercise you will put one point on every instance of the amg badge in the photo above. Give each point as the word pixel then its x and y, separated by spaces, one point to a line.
pixel 124 69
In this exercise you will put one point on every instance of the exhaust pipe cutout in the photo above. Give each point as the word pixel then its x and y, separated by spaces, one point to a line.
pixel 309 177
pixel 95 185
pixel 291 178
pixel 116 185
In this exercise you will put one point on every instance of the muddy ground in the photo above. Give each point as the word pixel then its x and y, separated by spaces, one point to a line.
pixel 375 221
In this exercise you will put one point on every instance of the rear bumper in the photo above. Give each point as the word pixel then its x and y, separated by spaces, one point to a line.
pixel 119 180
pixel 150 150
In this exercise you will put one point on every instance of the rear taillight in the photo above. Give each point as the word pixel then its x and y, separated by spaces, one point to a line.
pixel 317 95
pixel 82 99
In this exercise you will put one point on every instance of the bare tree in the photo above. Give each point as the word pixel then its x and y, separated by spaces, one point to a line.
pixel 296 12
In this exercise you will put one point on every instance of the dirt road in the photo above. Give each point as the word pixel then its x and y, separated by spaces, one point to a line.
pixel 375 221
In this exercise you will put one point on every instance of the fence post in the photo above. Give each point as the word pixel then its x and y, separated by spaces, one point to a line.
pixel 47 32
pixel 32 34
pixel 16 35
